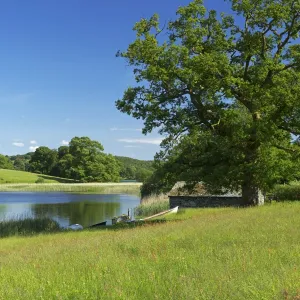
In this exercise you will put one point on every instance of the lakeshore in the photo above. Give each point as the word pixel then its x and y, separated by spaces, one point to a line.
pixel 109 188
pixel 221 253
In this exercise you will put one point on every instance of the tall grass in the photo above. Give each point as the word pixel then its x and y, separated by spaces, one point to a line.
pixel 109 188
pixel 216 253
pixel 152 205
pixel 27 226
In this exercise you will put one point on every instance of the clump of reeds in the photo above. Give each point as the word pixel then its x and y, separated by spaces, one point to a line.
pixel 27 226
pixel 101 188
pixel 152 205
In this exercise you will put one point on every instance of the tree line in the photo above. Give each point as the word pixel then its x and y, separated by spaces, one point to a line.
pixel 83 160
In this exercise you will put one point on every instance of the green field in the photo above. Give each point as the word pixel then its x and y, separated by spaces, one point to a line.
pixel 12 176
pixel 19 181
pixel 226 253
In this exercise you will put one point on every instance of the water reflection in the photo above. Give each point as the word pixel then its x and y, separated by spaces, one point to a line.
pixel 66 208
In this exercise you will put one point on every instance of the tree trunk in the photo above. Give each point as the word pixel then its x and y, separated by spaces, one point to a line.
pixel 251 195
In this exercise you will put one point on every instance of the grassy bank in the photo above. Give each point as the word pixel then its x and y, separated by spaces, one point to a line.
pixel 13 176
pixel 211 254
pixel 101 188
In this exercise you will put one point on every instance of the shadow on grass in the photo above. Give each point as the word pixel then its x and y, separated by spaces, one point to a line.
pixel 130 225
pixel 58 179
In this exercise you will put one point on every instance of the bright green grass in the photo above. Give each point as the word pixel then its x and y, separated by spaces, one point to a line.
pixel 225 253
pixel 12 176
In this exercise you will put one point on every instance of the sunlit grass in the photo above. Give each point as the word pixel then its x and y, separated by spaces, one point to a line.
pixel 225 253
pixel 13 176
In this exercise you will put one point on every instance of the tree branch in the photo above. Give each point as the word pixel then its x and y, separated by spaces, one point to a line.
pixel 287 149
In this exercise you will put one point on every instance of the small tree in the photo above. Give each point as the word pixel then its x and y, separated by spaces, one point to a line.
pixel 225 92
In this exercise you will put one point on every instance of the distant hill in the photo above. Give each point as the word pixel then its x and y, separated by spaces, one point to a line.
pixel 128 161
pixel 13 176
pixel 135 169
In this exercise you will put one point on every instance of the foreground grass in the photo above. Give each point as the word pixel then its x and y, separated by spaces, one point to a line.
pixel 101 188
pixel 223 253
pixel 13 176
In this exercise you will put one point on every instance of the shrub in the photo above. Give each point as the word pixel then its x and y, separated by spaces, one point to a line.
pixel 40 180
pixel 288 192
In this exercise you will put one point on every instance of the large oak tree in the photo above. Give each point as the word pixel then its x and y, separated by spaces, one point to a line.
pixel 224 90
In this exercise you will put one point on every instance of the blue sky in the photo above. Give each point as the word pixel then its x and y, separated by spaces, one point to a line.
pixel 59 76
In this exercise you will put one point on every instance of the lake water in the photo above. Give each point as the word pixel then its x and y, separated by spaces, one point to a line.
pixel 84 209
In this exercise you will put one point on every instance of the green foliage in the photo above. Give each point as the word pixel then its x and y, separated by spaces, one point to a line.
pixel 134 169
pixel 223 91
pixel 21 161
pixel 5 163
pixel 287 192
pixel 40 180
pixel 43 160
pixel 83 160
pixel 89 163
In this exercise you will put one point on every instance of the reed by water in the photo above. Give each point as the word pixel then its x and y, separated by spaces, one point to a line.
pixel 101 188
pixel 21 226
pixel 152 205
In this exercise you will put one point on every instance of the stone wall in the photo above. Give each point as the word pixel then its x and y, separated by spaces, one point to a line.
pixel 204 201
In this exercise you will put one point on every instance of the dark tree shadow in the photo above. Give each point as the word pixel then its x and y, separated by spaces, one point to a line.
pixel 58 179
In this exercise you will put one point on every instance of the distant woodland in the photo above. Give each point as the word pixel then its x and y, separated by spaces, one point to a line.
pixel 83 160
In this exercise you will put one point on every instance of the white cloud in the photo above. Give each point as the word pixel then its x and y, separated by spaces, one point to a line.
pixel 132 146
pixel 18 144
pixel 64 143
pixel 156 141
pixel 67 120
pixel 33 148
pixel 33 142
pixel 125 129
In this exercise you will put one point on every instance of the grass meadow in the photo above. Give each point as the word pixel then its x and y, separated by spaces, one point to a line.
pixel 221 253
pixel 13 176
